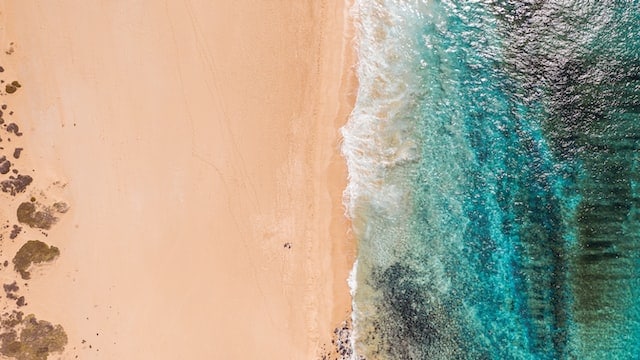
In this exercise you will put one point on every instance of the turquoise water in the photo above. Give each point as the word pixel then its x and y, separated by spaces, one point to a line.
pixel 493 156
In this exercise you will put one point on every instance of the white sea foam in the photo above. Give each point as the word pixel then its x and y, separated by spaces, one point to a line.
pixel 380 140
pixel 353 285
pixel 379 135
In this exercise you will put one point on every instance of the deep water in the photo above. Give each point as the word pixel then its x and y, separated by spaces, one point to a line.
pixel 493 155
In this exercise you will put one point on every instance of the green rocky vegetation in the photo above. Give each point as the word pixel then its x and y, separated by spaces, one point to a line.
pixel 33 252
pixel 23 337
pixel 31 339
pixel 28 214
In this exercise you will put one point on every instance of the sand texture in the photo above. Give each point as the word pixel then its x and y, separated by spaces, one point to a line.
pixel 186 186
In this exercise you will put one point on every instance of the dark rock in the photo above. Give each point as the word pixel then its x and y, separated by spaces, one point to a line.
pixel 16 184
pixel 13 128
pixel 15 232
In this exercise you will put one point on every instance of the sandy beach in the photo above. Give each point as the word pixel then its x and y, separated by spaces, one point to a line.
pixel 196 145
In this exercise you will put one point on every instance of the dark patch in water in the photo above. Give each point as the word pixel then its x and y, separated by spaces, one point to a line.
pixel 410 324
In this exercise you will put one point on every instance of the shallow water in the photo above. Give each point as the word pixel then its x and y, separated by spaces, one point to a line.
pixel 493 156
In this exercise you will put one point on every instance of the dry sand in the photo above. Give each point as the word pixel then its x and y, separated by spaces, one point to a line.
pixel 193 140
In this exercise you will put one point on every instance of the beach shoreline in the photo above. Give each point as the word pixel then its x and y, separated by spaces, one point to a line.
pixel 198 148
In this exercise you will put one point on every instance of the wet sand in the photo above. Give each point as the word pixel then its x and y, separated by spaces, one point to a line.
pixel 196 145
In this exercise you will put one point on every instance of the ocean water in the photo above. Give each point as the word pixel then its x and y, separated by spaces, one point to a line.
pixel 494 188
